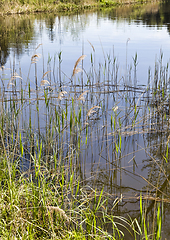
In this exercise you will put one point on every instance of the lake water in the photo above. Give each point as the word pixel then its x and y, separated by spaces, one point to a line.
pixel 126 31
pixel 117 34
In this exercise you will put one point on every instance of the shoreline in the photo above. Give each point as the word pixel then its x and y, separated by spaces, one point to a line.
pixel 10 9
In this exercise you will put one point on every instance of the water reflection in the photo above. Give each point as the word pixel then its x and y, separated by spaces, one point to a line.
pixel 18 32
pixel 125 156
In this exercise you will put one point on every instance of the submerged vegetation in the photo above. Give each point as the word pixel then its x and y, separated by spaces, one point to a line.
pixel 31 6
pixel 64 141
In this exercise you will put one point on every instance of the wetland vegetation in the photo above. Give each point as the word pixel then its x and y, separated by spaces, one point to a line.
pixel 50 130
pixel 32 6
pixel 85 155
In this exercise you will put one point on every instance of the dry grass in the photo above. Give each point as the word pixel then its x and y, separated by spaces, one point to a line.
pixel 19 8
pixel 76 69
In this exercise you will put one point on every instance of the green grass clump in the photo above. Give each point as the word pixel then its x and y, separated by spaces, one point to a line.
pixel 50 203
pixel 108 3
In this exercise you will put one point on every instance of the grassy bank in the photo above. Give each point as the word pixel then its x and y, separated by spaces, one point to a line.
pixel 51 202
pixel 31 6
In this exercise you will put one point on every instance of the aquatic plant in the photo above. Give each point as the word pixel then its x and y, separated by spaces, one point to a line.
pixel 53 137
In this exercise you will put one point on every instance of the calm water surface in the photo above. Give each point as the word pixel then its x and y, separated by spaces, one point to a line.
pixel 146 31
pixel 118 34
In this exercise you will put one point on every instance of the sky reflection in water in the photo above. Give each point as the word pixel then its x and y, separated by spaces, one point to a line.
pixel 108 33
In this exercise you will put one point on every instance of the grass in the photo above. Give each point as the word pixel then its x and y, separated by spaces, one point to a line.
pixel 51 203
pixel 32 6
pixel 49 129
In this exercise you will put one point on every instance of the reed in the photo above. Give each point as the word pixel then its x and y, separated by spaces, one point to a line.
pixel 63 150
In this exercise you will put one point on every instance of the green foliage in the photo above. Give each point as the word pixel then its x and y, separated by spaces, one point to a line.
pixel 108 3
pixel 145 224
pixel 32 207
